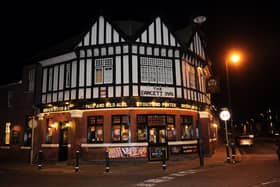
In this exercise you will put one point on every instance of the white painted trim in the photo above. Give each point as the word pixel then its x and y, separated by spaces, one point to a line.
pixel 76 113
pixel 137 144
pixel 5 147
pixel 204 114
pixel 53 145
pixel 128 108
pixel 116 144
pixel 189 142
pixel 58 59
pixel 11 84
pixel 25 147
pixel 50 145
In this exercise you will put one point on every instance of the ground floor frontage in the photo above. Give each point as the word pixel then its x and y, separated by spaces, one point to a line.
pixel 128 133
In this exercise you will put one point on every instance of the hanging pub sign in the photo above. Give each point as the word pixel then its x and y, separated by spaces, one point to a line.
pixel 212 85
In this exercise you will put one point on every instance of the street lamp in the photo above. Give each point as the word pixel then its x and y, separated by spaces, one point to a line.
pixel 225 115
pixel 233 58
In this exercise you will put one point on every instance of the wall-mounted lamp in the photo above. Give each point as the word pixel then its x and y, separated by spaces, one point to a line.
pixel 67 124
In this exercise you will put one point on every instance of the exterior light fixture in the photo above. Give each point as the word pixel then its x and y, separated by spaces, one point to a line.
pixel 199 19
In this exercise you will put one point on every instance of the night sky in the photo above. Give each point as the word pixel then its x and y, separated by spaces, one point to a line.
pixel 27 28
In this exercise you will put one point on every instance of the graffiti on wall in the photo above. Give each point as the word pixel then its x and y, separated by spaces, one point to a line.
pixel 127 152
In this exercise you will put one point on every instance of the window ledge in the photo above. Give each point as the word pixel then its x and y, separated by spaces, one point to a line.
pixel 5 147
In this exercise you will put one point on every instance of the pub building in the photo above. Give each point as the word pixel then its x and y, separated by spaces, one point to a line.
pixel 128 88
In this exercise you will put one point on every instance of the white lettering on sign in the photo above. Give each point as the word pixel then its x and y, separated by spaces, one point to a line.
pixel 156 91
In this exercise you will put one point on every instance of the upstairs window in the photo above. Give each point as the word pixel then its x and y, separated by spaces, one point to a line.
pixel 50 76
pixel 104 71
pixel 10 98
pixel 68 76
pixel 156 70
pixel 30 80
pixel 192 77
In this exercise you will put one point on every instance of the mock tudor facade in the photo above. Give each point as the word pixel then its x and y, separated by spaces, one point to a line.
pixel 125 87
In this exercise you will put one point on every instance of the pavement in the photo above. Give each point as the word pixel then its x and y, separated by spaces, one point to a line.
pixel 218 159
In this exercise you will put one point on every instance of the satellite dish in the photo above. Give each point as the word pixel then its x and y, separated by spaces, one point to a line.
pixel 199 19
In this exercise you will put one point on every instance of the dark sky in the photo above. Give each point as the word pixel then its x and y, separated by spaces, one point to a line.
pixel 27 28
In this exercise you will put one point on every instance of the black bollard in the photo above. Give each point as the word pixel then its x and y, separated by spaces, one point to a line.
pixel 163 152
pixel 107 162
pixel 233 152
pixel 77 161
pixel 40 159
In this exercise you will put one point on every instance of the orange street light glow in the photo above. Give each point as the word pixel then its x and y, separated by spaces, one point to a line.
pixel 235 58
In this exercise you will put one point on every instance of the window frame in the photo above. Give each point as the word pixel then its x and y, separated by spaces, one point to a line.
pixel 156 70
pixel 143 124
pixel 123 123
pixel 96 124
pixel 106 67
pixel 190 124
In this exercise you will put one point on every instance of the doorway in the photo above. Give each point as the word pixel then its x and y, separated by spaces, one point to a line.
pixel 157 141
pixel 63 141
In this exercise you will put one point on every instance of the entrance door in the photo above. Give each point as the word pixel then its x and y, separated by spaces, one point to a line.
pixel 157 136
pixel 63 142
pixel 157 140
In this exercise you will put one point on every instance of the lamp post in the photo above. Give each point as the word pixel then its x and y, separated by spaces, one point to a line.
pixel 198 20
pixel 234 57
pixel 225 115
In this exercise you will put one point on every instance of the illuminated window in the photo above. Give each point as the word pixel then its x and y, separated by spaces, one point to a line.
pixel 120 128
pixel 50 128
pixel 162 136
pixel 141 128
pixel 161 128
pixel 104 71
pixel 8 133
pixel 15 136
pixel 95 129
pixel 27 136
pixel 186 127
pixel 156 70
pixel 191 72
pixel 171 130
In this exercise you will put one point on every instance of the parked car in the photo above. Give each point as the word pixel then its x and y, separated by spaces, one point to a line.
pixel 246 140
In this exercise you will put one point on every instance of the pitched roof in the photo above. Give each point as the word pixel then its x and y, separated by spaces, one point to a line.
pixel 130 28
pixel 186 34
pixel 61 48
